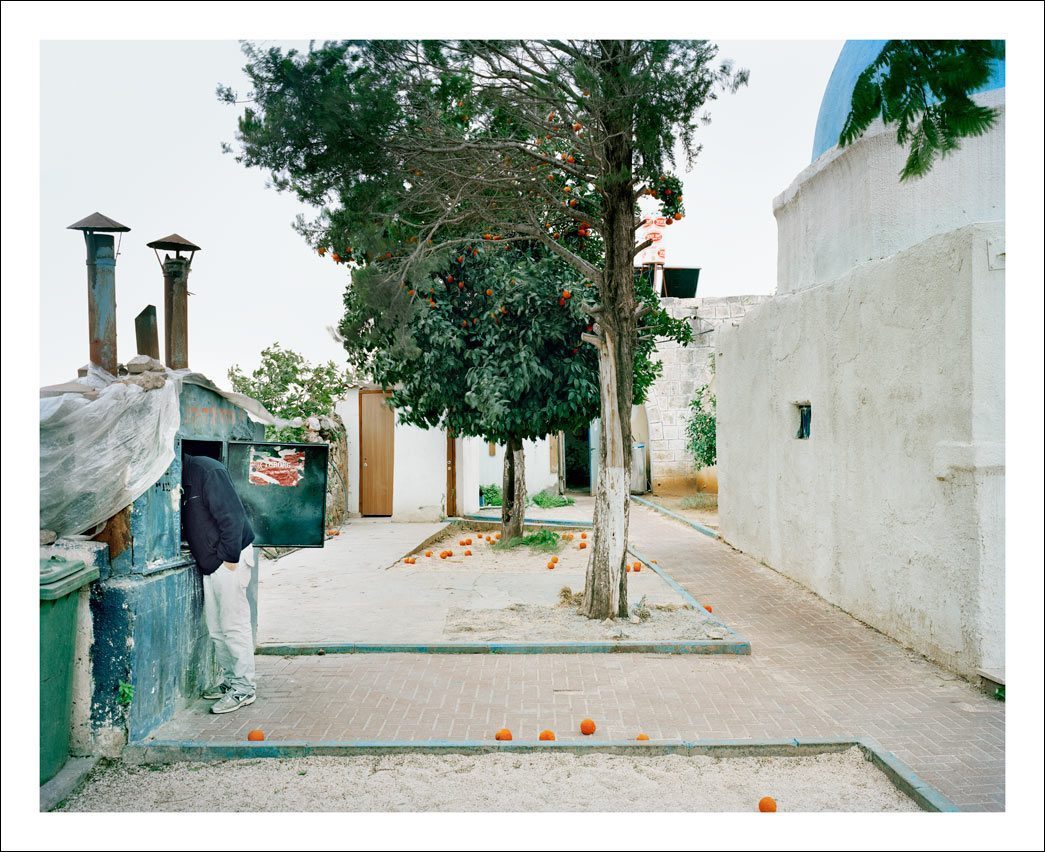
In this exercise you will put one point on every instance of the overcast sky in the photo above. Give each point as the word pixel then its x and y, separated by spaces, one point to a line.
pixel 143 147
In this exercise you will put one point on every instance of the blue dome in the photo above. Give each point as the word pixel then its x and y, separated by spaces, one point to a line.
pixel 853 59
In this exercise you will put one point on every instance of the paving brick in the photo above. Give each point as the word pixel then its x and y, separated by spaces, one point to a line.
pixel 813 671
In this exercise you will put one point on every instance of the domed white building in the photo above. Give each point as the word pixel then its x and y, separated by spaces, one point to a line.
pixel 861 410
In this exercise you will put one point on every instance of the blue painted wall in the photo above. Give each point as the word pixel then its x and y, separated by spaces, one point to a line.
pixel 854 57
pixel 147 611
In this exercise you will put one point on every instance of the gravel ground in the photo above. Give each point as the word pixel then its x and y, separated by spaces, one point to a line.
pixel 530 623
pixel 842 781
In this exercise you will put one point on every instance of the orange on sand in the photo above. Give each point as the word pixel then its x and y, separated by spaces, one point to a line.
pixel 498 536
pixel 428 553
pixel 584 535
pixel 256 736
pixel 462 542
pixel 708 607
pixel 627 569
pixel 503 734
pixel 489 539
pixel 555 559
pixel 468 553
pixel 767 805
pixel 638 566
pixel 643 737
pixel 587 727
pixel 551 565
pixel 546 735
pixel 467 541
pixel 582 545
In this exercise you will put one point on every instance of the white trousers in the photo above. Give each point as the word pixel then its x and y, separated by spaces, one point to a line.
pixel 227 613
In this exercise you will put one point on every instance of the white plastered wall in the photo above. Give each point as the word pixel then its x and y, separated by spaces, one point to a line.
pixel 890 322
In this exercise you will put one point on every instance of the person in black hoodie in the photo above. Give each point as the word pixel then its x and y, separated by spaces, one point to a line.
pixel 220 536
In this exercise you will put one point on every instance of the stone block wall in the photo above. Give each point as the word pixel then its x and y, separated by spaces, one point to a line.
pixel 686 368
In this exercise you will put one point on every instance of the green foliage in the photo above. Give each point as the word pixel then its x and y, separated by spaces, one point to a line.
pixel 923 87
pixel 491 494
pixel 544 540
pixel 700 428
pixel 551 500
pixel 125 694
pixel 289 386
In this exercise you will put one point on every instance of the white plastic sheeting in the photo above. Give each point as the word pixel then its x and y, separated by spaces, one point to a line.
pixel 98 455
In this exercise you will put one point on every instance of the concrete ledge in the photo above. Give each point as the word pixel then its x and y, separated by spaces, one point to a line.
pixel 676 516
pixel 927 797
pixel 66 782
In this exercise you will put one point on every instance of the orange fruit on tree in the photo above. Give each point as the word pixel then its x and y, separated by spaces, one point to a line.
pixel 546 735
pixel 256 736
pixel 503 735
pixel 322 251
pixel 643 737
pixel 767 805
pixel 587 727
pixel 678 217
pixel 489 292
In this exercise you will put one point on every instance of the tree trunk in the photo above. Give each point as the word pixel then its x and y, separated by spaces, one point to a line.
pixel 606 581
pixel 513 490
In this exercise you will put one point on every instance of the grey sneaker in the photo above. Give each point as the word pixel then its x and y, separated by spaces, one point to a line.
pixel 218 691
pixel 233 700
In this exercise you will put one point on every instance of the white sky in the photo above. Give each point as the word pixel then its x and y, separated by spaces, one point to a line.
pixel 144 149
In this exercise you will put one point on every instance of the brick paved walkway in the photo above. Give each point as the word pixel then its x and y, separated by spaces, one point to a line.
pixel 814 671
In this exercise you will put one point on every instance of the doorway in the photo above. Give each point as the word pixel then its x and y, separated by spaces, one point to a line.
pixel 376 453
pixel 451 475
pixel 577 457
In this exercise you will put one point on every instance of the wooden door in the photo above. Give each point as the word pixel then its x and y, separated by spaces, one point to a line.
pixel 376 453
pixel 451 476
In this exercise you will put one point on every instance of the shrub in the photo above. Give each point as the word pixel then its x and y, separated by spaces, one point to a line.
pixel 700 430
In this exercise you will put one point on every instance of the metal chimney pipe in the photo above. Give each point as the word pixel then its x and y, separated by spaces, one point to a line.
pixel 175 297
pixel 176 312
pixel 101 299
pixel 101 286
pixel 146 334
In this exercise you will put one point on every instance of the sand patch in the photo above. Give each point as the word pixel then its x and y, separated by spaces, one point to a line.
pixel 842 781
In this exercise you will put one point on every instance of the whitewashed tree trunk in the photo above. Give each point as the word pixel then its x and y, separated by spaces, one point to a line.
pixel 513 490
pixel 605 592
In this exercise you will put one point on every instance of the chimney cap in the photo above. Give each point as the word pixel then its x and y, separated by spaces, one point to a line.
pixel 97 222
pixel 173 242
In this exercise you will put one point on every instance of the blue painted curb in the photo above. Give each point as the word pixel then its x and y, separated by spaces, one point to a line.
pixel 537 522
pixel 675 515
pixel 926 796
pixel 732 645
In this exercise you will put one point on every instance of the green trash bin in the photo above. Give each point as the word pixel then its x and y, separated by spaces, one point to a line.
pixel 60 580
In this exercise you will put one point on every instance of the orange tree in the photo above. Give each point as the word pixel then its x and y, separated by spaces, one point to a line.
pixel 413 149
pixel 493 349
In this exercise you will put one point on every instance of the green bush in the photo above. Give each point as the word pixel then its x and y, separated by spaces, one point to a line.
pixel 551 500
pixel 700 430
pixel 491 494
pixel 540 540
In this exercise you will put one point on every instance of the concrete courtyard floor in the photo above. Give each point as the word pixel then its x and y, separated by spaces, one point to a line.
pixel 814 671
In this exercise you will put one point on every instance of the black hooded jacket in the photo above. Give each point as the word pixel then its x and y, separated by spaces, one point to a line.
pixel 212 514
